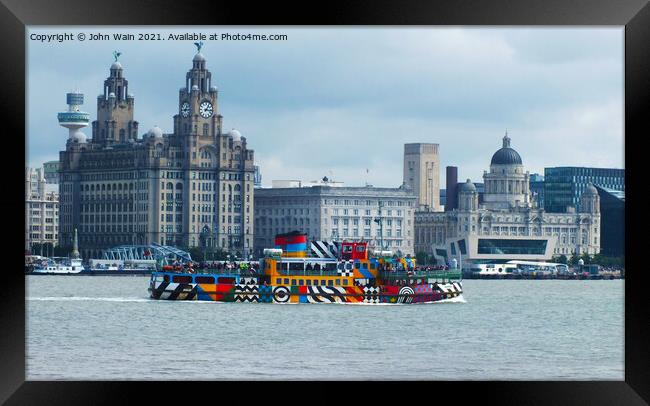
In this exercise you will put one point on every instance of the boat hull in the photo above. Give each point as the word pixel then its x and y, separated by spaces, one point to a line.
pixel 50 272
pixel 125 272
pixel 248 290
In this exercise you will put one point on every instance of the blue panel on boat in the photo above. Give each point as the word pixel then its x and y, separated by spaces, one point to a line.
pixel 203 296
pixel 295 247
pixel 365 273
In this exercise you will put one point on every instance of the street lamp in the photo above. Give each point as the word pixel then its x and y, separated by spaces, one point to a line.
pixel 379 221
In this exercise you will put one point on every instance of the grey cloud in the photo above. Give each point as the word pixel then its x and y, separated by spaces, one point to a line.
pixel 351 97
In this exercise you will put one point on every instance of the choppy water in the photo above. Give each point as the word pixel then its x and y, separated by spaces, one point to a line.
pixel 106 328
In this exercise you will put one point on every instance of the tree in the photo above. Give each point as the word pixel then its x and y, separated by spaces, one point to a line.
pixel 574 259
pixel 196 253
pixel 602 260
pixel 422 258
pixel 44 249
pixel 587 258
pixel 220 254
pixel 37 248
pixel 562 259
pixel 62 251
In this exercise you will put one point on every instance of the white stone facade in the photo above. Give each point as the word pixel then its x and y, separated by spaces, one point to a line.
pixel 193 187
pixel 507 214
pixel 41 210
pixel 336 214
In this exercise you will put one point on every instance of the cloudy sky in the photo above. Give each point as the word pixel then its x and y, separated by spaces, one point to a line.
pixel 341 102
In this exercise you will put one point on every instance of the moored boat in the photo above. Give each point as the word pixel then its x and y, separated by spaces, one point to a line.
pixel 354 277
pixel 120 267
pixel 64 266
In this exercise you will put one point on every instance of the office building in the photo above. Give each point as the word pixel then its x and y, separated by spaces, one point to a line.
pixel 422 173
pixel 612 218
pixel 563 186
pixel 506 225
pixel 257 176
pixel 41 211
pixel 537 190
pixel 51 169
pixel 192 187
pixel 327 213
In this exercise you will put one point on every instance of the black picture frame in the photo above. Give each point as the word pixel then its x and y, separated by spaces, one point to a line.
pixel 15 15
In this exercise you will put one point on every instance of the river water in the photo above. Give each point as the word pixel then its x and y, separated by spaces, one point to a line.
pixel 106 328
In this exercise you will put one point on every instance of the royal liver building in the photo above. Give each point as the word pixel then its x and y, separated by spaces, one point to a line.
pixel 193 187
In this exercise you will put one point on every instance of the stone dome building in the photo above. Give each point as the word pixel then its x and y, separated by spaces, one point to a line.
pixel 467 196
pixel 506 226
pixel 507 185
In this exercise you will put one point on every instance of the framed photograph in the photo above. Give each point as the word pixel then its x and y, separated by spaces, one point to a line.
pixel 439 189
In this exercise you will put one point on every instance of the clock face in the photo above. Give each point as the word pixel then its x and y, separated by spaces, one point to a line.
pixel 185 109
pixel 205 109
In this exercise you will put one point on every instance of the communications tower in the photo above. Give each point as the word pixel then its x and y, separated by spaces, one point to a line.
pixel 74 119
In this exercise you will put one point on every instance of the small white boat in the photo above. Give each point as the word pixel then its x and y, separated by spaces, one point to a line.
pixel 116 266
pixel 493 269
pixel 68 266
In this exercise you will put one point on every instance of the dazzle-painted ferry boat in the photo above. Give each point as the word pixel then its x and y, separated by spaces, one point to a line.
pixel 287 275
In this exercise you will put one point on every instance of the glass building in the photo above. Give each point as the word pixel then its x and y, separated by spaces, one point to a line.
pixel 563 186
pixel 612 211
pixel 537 189
pixel 511 247
pixel 51 172
pixel 257 177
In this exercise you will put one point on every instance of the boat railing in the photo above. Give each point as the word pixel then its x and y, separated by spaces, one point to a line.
pixel 222 271
pixel 449 274
pixel 308 272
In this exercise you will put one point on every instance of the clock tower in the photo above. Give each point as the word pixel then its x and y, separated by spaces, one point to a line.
pixel 115 124
pixel 197 102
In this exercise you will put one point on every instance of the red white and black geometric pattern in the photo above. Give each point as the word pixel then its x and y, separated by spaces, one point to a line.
pixel 324 249
pixel 449 290
pixel 370 294
pixel 281 294
pixel 405 294
pixel 174 291
pixel 325 294
pixel 347 268
pixel 246 293
pixel 248 280
pixel 344 272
